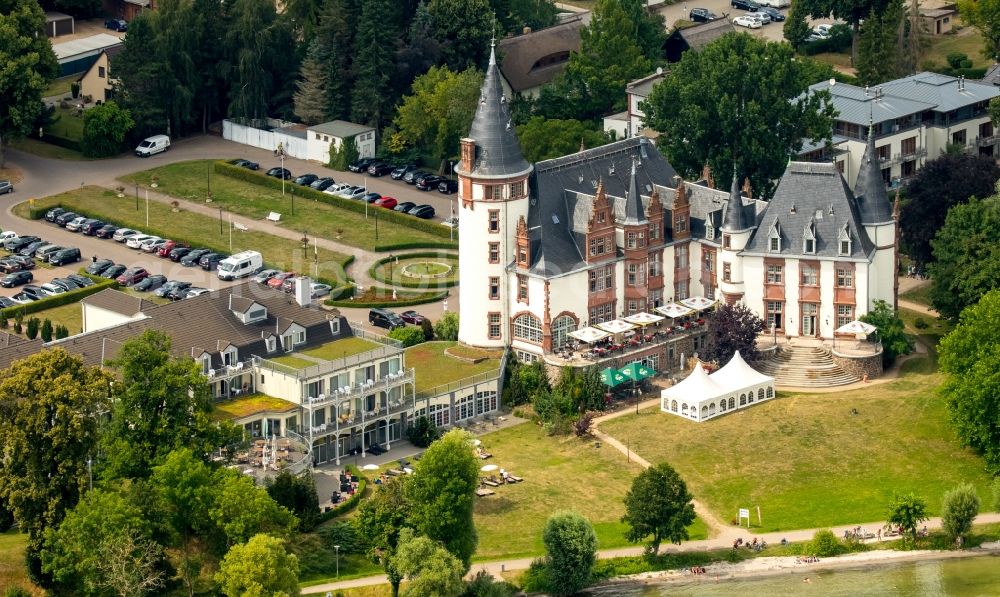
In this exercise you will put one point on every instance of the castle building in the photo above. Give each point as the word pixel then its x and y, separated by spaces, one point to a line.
pixel 549 248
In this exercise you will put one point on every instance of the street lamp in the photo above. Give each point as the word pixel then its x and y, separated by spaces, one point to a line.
pixel 337 547
pixel 282 152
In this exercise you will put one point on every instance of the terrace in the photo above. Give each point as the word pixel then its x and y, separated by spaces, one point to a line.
pixel 438 372
pixel 624 347
pixel 333 356
pixel 253 404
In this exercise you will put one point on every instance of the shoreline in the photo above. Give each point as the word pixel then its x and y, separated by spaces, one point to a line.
pixel 764 567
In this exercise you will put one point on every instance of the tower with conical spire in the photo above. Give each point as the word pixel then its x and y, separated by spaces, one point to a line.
pixel 737 227
pixel 876 216
pixel 493 197
pixel 635 229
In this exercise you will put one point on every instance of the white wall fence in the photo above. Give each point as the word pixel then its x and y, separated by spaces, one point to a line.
pixel 266 138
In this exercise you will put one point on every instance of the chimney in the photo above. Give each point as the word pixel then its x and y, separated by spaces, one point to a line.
pixel 303 291
pixel 468 153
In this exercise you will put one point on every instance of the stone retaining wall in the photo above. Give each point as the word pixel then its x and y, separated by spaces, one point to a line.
pixel 870 365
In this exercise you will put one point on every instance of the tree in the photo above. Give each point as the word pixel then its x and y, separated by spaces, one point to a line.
pixel 420 51
pixel 796 30
pixel 297 493
pixel 754 84
pixel 409 336
pixel 139 70
pixel 584 389
pixel 890 331
pixel 536 14
pixel 942 183
pixel 427 328
pixel 966 259
pixel 49 411
pixel 422 432
pixel 439 110
pixel 241 509
pixel 29 65
pixel 131 565
pixel 259 61
pixel 879 51
pixel 970 358
pixel 543 139
pixel 658 504
pixel 571 551
pixel 430 568
pixel 335 33
pixel 259 567
pixel 379 522
pixel 524 381
pixel 104 130
pixel 731 328
pixel 958 509
pixel 46 331
pixel 851 12
pixel 907 511
pixel 984 15
pixel 446 328
pixel 310 98
pixel 463 28
pixel 32 330
pixel 441 494
pixel 162 403
pixel 374 96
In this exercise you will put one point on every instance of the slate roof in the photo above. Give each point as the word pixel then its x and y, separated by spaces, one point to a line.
pixel 118 302
pixel 855 106
pixel 869 189
pixel 941 90
pixel 520 55
pixel 340 128
pixel 736 215
pixel 635 211
pixel 820 196
pixel 498 152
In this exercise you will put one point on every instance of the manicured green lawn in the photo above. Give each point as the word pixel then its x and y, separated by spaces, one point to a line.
pixel 968 42
pixel 12 571
pixel 70 315
pixel 560 473
pixel 342 348
pixel 47 150
pixel 190 227
pixel 67 124
pixel 420 270
pixel 920 294
pixel 189 180
pixel 807 461
pixel 293 361
pixel 248 405
pixel 434 368
pixel 933 328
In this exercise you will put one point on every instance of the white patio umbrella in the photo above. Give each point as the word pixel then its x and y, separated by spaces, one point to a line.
pixel 643 319
pixel 698 303
pixel 589 335
pixel 673 310
pixel 856 327
pixel 616 326
pixel 370 467
pixel 488 468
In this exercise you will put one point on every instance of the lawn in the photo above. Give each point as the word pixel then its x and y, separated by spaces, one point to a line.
pixel 435 368
pixel 930 331
pixel 190 227
pixel 248 405
pixel 560 473
pixel 342 348
pixel 807 462
pixel 67 124
pixel 47 150
pixel 189 180
pixel 70 315
pixel 920 294
pixel 293 361
pixel 12 571
pixel 967 41
pixel 61 86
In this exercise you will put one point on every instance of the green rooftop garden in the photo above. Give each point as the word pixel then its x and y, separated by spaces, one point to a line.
pixel 249 405
pixel 290 360
pixel 435 368
pixel 342 348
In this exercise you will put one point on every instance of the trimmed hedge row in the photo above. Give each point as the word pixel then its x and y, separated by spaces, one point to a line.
pixel 226 169
pixel 373 270
pixel 60 299
pixel 387 304
pixel 351 502
pixel 416 245
pixel 60 141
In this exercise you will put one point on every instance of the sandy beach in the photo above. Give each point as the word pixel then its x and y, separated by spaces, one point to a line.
pixel 775 566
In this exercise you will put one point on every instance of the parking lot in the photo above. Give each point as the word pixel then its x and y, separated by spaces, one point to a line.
pixel 770 32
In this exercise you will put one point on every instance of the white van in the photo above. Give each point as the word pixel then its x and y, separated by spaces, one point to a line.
pixel 151 145
pixel 240 265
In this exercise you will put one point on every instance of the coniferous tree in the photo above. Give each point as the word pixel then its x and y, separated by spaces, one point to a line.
pixel 464 28
pixel 879 46
pixel 373 97
pixel 336 34
pixel 310 99
pixel 420 51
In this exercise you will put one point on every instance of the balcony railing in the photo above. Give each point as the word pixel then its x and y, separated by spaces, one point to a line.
pixel 362 417
pixel 986 141
pixel 460 384
pixel 361 390
pixel 899 158
pixel 227 372
pixel 641 342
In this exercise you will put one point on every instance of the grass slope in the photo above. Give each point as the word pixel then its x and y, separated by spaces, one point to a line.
pixel 12 570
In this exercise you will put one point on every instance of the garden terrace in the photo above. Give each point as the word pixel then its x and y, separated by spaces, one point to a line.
pixel 436 370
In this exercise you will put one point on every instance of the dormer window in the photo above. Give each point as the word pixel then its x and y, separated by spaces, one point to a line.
pixel 206 364
pixel 272 344
pixel 680 224
pixel 774 239
pixel 229 357
pixel 844 241
pixel 809 239
pixel 335 326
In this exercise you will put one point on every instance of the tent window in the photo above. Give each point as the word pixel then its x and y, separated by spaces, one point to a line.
pixel 743 399
pixel 770 392
pixel 760 394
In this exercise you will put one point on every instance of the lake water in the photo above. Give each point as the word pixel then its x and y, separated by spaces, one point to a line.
pixel 965 577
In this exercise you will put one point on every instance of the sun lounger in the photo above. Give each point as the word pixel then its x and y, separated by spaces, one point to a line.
pixel 490 483
pixel 483 492
pixel 513 478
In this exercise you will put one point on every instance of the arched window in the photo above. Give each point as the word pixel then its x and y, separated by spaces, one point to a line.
pixel 561 327
pixel 750 397
pixel 673 405
pixel 711 409
pixel 732 403
pixel 722 406
pixel 760 394
pixel 770 392
pixel 704 412
pixel 684 409
pixel 528 327
pixel 743 399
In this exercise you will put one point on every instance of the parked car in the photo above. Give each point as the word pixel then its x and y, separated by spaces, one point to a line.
pixel 280 173
pixel 22 298
pixel 823 29
pixel 91 226
pixel 45 252
pixel 404 207
pixel 246 164
pixel 317 290
pixel 306 179
pixel 277 280
pixel 167 288
pixel 264 275
pixel 165 249
pixel 66 284
pixel 16 279
pixel 98 267
pixel 773 13
pixel 152 145
pixel 191 259
pixel 196 291
pixel 35 292
pixel 106 231
pixel 178 292
pixel 764 18
pixel 424 212
pixel 702 15
pixel 16 244
pixel 6 301
pixel 322 184
pixel 52 214
pixel 51 289
pixel 747 21
pixel 371 197
pixel 123 234
pixel 116 25
pixel 380 169
pixel 429 182
pixel 775 3
pixel 747 5
pixel 355 193
pixel 113 272
pixel 386 202
pixel 135 242
pixel 29 250
pixel 288 285
pixel 361 165
pixel 335 188
pixel 75 224
pixel 6 186
pixel 150 283
pixel 450 222
pixel 401 171
pixel 65 218
pixel 448 186
pixel 9 266
pixel 210 261
pixel 178 253
pixel 70 255
pixel 25 262
pixel 132 275
pixel 412 176
pixel 81 281
pixel 412 317
pixel 153 245
pixel 384 318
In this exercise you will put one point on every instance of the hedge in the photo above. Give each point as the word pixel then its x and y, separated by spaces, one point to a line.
pixel 60 141
pixel 415 245
pixel 351 502
pixel 36 212
pixel 226 169
pixel 374 273
pixel 423 300
pixel 60 299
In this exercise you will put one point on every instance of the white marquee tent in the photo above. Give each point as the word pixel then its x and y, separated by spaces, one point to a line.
pixel 701 396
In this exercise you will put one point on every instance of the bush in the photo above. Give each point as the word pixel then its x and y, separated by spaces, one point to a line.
pixel 920 324
pixel 347 154
pixel 571 545
pixel 419 299
pixel 74 89
pixel 824 544
pixel 536 578
pixel 46 331
pixel 61 332
pixel 32 331
pixel 422 432
pixel 484 585
pixel 582 425
pixel 955 59
pixel 428 329
pixel 447 327
pixel 958 509
pixel 409 336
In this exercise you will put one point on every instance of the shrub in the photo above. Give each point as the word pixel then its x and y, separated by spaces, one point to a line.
pixel 824 544
pixel 409 336
pixel 958 509
pixel 571 545
pixel 536 578
pixel 61 332
pixel 484 585
pixel 17 327
pixel 955 59
pixel 920 324
pixel 46 331
pixel 428 329
pixel 581 426
pixel 4 323
pixel 422 432
pixel 32 331
pixel 74 89
pixel 447 327
pixel 343 156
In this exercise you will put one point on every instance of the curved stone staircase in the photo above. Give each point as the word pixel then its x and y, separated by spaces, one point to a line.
pixel 804 367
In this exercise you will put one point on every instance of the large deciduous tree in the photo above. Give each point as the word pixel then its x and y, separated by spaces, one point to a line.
pixel 50 405
pixel 907 511
pixel 970 356
pixel 27 64
pixel 441 494
pixel 439 110
pixel 890 332
pixel 104 129
pixel 984 15
pixel 942 183
pixel 543 139
pixel 261 566
pixel 658 506
pixel 796 29
pixel 464 29
pixel 732 328
pixel 380 520
pixel 966 255
pixel 720 106
pixel 430 569
pixel 571 551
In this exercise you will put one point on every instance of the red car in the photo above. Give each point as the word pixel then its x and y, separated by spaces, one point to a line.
pixel 278 280
pixel 169 246
pixel 412 317
pixel 132 275
pixel 386 202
